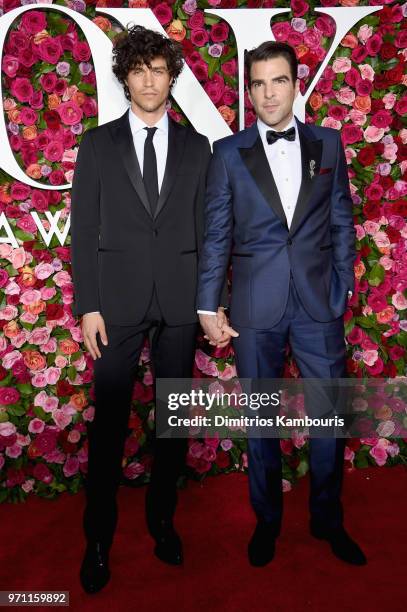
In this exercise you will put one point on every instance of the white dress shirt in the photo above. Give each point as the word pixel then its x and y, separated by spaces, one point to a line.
pixel 160 142
pixel 284 158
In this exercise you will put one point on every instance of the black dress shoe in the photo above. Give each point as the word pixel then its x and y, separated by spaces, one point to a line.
pixel 262 545
pixel 95 573
pixel 168 546
pixel 342 544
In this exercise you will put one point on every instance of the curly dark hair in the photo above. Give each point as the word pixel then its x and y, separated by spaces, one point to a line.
pixel 137 45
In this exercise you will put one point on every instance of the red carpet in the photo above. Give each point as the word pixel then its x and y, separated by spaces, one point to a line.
pixel 42 547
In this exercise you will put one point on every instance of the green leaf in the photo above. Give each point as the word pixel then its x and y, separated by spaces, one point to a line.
pixel 16 410
pixel 24 388
pixel 376 275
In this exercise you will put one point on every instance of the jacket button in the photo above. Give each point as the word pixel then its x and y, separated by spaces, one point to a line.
pixel 289 242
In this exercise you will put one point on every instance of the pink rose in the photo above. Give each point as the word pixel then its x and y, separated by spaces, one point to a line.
pixel 378 452
pixel 163 12
pixel 48 81
pixel 81 51
pixel 22 89
pixel 7 429
pixel 399 301
pixel 199 37
pixel 50 50
pixel 70 112
pixel 41 472
pixel 281 31
pixel 34 21
pixel 364 33
pixel 10 65
pixel 54 151
pixel 367 72
pixel 373 134
pixel 342 64
pixel 345 95
pixel 36 426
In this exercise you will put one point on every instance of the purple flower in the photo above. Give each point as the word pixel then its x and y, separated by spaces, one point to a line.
pixel 77 128
pixel 45 170
pixel 215 50
pixel 189 7
pixel 79 5
pixel 85 68
pixel 303 71
pixel 63 68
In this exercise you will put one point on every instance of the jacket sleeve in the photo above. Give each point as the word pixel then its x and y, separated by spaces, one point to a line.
pixel 85 221
pixel 342 226
pixel 213 263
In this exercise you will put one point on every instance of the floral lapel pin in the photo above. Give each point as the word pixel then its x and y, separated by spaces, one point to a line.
pixel 312 168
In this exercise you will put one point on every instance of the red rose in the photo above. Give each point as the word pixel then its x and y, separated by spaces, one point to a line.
pixel 57 177
pixel 373 44
pixel 352 77
pixel 393 234
pixel 381 119
pixel 22 89
pixel 299 7
pixel 19 191
pixel 33 21
pixel 197 20
pixel 401 39
pixel 386 182
pixel 50 50
pixel 371 210
pixel 387 51
pixel 359 54
pixel 219 32
pixel 364 87
pixel 199 37
pixel 81 51
pixel 54 312
pixel 222 460
pixel 48 81
pixel 64 389
pixel 163 13
pixel 366 156
pixel 351 134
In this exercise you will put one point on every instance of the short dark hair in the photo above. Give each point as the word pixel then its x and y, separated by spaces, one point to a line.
pixel 268 50
pixel 137 45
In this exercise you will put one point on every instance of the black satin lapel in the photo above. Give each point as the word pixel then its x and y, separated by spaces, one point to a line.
pixel 124 140
pixel 311 154
pixel 176 142
pixel 256 162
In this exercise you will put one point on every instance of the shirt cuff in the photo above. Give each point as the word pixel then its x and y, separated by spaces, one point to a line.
pixel 210 312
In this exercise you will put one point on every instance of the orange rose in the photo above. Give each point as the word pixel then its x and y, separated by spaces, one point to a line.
pixel 29 132
pixel 35 308
pixel 27 277
pixel 14 115
pixel 301 50
pixel 363 104
pixel 34 360
pixel 34 171
pixel 68 346
pixel 79 97
pixel 349 41
pixel 227 113
pixel 315 100
pixel 79 400
pixel 102 23
pixel 383 413
pixel 349 2
pixel 360 270
pixel 176 30
pixel 11 329
pixel 40 36
pixel 53 101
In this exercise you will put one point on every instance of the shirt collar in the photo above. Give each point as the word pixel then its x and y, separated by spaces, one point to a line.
pixel 263 128
pixel 137 124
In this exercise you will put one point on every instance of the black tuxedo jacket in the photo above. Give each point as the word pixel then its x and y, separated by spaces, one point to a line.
pixel 118 250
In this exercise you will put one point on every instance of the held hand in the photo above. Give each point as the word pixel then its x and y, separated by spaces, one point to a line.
pixel 93 323
pixel 216 328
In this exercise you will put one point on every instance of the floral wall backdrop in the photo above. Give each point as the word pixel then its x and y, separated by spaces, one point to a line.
pixel 50 99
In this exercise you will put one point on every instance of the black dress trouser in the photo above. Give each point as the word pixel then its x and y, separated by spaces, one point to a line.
pixel 172 352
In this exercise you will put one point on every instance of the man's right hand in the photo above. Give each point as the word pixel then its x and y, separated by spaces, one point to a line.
pixel 93 323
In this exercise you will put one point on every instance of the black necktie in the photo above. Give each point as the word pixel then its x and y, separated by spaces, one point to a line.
pixel 272 135
pixel 150 176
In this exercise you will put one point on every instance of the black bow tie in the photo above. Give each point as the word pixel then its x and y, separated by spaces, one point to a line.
pixel 272 135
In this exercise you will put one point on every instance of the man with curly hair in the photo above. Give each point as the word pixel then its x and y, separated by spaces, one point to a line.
pixel 137 229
